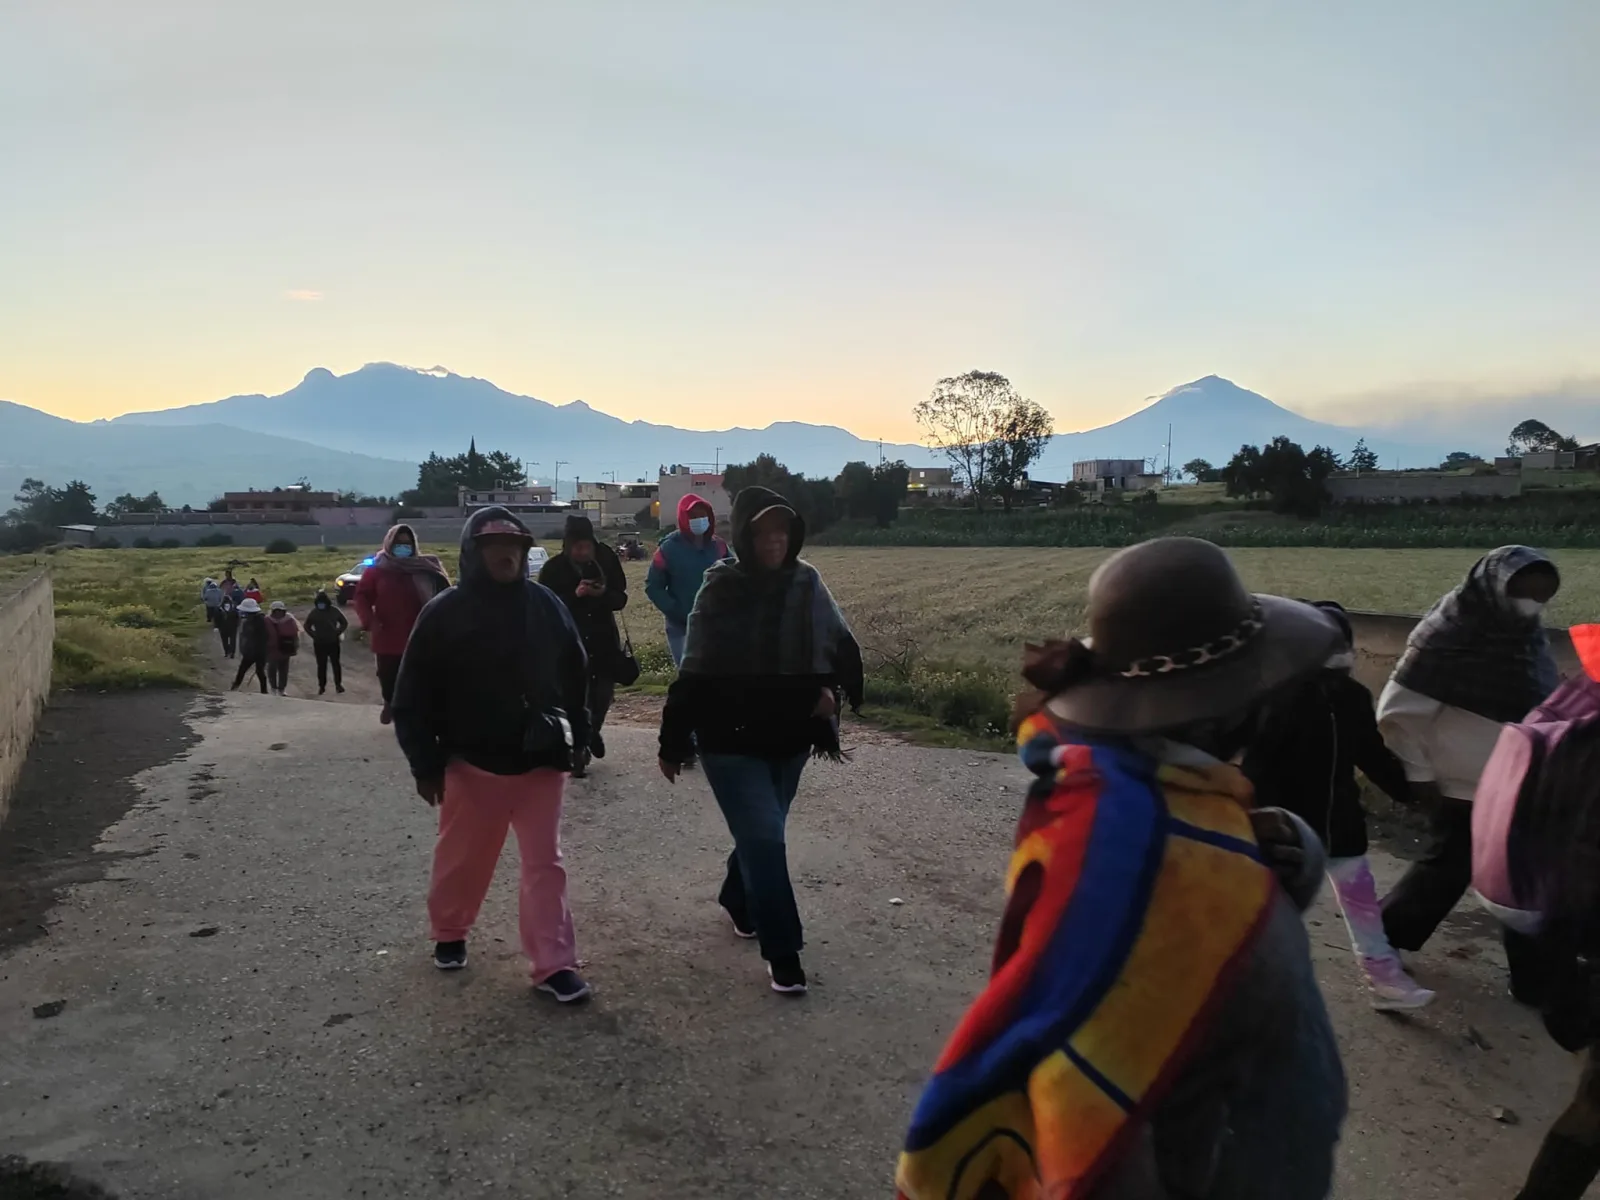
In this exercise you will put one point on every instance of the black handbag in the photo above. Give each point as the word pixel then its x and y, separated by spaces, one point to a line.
pixel 548 736
pixel 625 669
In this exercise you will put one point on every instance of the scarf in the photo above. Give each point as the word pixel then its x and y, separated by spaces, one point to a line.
pixel 1135 892
pixel 748 621
pixel 1475 651
pixel 427 573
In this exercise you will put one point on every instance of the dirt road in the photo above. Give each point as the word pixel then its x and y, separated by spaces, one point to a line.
pixel 247 1007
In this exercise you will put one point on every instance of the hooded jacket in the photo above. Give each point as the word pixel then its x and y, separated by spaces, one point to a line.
pixel 595 615
pixel 324 624
pixel 253 634
pixel 227 615
pixel 392 592
pixel 681 561
pixel 211 593
pixel 485 659
pixel 753 671
pixel 283 636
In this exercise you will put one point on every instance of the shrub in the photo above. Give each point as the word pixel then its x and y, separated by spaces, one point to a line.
pixel 107 543
pixel 24 537
pixel 215 539
pixel 143 543
pixel 134 616
pixel 171 544
pixel 281 546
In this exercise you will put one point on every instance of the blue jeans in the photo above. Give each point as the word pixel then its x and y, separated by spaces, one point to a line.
pixel 754 795
pixel 675 638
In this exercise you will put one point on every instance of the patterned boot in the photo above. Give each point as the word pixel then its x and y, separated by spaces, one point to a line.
pixel 1391 988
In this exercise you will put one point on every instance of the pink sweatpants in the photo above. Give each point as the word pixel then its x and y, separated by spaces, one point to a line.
pixel 478 808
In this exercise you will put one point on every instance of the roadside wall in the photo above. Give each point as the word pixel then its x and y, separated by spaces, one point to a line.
pixel 1380 488
pixel 27 643
pixel 362 538
pixel 1381 639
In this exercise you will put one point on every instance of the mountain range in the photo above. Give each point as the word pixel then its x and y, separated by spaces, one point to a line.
pixel 367 430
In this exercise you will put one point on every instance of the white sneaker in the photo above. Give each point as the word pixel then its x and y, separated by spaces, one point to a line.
pixel 1392 989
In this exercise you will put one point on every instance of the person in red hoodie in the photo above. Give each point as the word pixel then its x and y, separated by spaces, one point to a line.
pixel 389 599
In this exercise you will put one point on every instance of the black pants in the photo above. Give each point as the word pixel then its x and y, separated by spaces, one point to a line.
pixel 328 656
pixel 278 674
pixel 602 691
pixel 1436 881
pixel 388 672
pixel 230 639
pixel 1569 1159
pixel 259 663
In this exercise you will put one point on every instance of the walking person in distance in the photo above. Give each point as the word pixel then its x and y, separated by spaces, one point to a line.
pixel 227 624
pixel 388 599
pixel 325 626
pixel 253 635
pixel 588 577
pixel 283 643
pixel 1477 661
pixel 679 567
pixel 767 655
pixel 490 710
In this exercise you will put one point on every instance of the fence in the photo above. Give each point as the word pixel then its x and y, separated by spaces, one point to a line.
pixel 27 643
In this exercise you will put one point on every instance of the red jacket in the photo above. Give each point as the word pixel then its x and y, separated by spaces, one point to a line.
pixel 387 602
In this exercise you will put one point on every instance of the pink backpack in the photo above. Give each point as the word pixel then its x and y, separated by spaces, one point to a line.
pixel 1517 754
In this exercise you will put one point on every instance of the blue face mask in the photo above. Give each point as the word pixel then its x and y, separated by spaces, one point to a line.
pixel 322 604
pixel 699 525
pixel 402 551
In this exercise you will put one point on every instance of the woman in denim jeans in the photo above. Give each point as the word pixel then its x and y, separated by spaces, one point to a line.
pixel 768 654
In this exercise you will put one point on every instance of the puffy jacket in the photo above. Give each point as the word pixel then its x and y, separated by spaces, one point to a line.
pixel 681 561
pixel 324 624
pixel 389 596
pixel 485 659
pixel 211 594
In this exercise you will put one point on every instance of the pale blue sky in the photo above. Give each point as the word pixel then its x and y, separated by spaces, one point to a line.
pixel 733 212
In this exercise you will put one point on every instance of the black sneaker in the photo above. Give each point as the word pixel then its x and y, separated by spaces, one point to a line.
pixel 743 926
pixel 580 765
pixel 450 956
pixel 597 746
pixel 566 986
pixel 788 976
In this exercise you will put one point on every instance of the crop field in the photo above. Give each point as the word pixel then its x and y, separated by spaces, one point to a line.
pixel 125 616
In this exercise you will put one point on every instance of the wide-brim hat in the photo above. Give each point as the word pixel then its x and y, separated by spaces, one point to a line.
pixel 1175 638
pixel 249 606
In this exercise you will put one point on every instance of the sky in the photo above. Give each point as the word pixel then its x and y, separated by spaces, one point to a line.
pixel 718 212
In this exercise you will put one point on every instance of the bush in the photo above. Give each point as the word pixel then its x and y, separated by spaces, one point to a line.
pixel 24 537
pixel 107 543
pixel 143 543
pixel 971 699
pixel 281 546
pixel 215 539
pixel 134 616
pixel 171 544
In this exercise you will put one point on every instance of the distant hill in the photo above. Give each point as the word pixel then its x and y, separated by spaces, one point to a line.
pixel 404 413
pixel 1210 419
pixel 187 465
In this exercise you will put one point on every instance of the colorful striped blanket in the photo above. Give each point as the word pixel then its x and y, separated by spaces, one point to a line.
pixel 1134 892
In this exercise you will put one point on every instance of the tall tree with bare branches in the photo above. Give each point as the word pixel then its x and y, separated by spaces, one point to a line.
pixel 987 430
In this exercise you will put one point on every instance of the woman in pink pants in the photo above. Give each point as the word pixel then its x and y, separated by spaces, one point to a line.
pixel 490 701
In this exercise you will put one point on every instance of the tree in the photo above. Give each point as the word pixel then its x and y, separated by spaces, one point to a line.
pixel 1293 478
pixel 1243 473
pixel 1531 437
pixel 1362 458
pixel 1022 430
pixel 129 503
pixel 814 499
pixel 1458 460
pixel 1201 471
pixel 969 416
pixel 40 504
pixel 868 493
pixel 440 479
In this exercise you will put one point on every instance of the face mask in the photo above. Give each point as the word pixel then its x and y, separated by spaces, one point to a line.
pixel 322 604
pixel 1345 660
pixel 402 551
pixel 698 525
pixel 1528 608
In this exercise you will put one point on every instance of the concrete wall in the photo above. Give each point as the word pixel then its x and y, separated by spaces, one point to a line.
pixel 27 645
pixel 1380 488
pixel 1381 639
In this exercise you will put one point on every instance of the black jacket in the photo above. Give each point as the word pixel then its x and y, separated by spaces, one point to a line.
pixel 1306 755
pixel 765 716
pixel 227 616
pixel 484 660
pixel 324 626
pixel 253 635
pixel 596 616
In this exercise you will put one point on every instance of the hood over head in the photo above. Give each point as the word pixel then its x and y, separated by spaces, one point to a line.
pixel 578 529
pixel 1491 575
pixel 321 597
pixel 691 505
pixel 486 522
pixel 394 532
pixel 748 505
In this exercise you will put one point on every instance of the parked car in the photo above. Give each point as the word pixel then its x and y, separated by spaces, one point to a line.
pixel 537 557
pixel 344 587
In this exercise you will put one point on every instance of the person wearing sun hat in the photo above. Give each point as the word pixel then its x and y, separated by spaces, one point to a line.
pixel 252 644
pixel 1152 1025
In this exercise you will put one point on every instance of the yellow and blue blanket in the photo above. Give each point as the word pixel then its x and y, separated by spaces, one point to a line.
pixel 1135 890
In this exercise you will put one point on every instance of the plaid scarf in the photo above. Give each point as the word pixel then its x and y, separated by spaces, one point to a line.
pixel 1475 651
pixel 753 622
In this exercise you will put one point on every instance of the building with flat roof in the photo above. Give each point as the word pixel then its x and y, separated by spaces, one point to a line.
pixel 279 502
pixel 678 482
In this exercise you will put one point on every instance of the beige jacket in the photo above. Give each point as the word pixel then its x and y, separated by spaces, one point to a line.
pixel 1438 743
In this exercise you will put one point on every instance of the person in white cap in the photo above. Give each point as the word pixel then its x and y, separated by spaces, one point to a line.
pixel 252 644
pixel 283 643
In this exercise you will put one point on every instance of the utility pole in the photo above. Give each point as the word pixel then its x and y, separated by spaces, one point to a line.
pixel 717 466
pixel 555 484
pixel 880 452
pixel 1168 474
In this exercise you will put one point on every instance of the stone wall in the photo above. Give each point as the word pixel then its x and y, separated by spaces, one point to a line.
pixel 27 645
pixel 1390 488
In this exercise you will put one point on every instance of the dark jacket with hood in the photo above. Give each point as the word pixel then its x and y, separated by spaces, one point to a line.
pixel 759 712
pixel 253 635
pixel 681 561
pixel 324 624
pixel 227 617
pixel 595 615
pixel 484 660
